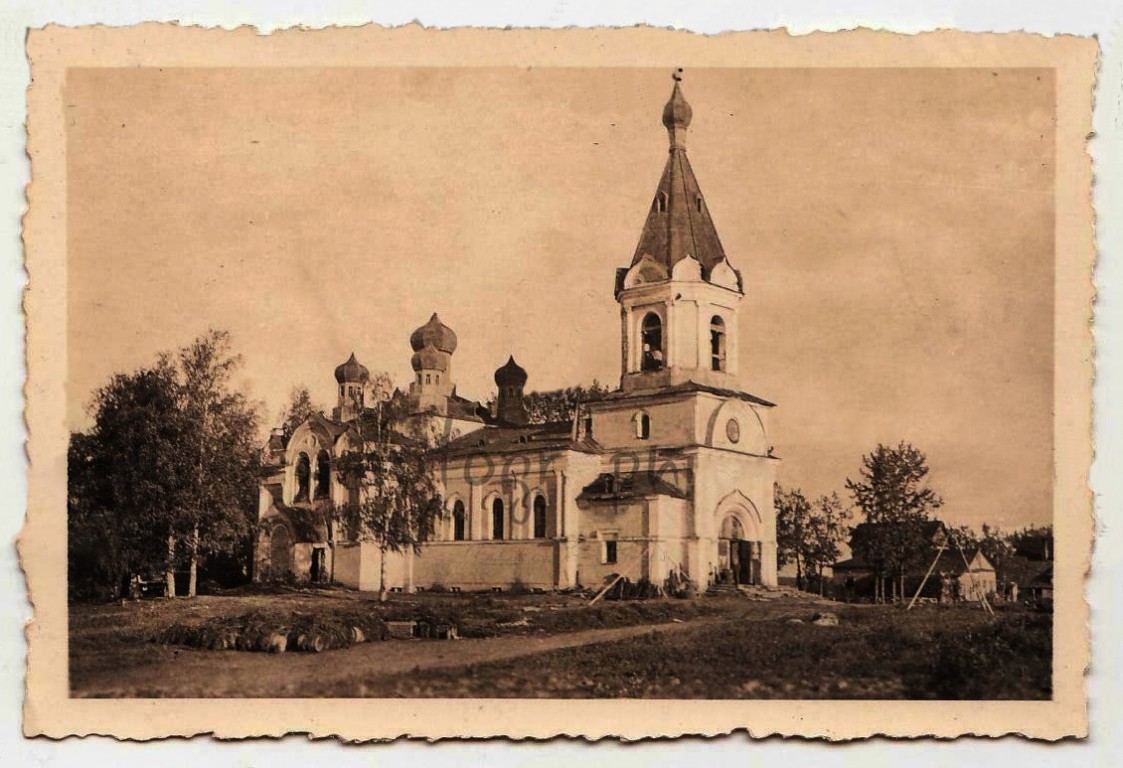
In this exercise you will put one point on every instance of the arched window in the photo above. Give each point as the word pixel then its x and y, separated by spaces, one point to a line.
pixel 303 477
pixel 698 202
pixel 651 335
pixel 323 475
pixel 661 202
pixel 539 517
pixel 643 425
pixel 717 343
pixel 497 522
pixel 458 521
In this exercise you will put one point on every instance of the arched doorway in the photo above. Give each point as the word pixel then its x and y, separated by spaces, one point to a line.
pixel 738 556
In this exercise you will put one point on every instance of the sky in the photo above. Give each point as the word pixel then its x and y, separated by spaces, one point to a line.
pixel 893 227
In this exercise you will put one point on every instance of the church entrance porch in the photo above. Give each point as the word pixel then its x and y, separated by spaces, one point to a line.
pixel 739 560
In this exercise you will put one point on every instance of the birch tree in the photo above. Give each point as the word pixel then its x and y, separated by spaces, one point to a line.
pixel 395 500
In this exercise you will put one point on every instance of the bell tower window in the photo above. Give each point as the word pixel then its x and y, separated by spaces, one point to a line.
pixel 652 339
pixel 643 425
pixel 717 343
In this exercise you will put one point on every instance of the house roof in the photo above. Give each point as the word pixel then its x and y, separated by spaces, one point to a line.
pixel 1022 570
pixel 468 410
pixel 1043 579
pixel 531 437
pixel 685 387
pixel 630 485
pixel 679 224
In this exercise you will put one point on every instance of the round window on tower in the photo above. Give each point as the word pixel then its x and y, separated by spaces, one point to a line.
pixel 733 430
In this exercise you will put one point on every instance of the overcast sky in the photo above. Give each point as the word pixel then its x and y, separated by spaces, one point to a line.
pixel 894 229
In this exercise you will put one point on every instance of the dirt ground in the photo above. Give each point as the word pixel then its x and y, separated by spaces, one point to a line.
pixel 725 647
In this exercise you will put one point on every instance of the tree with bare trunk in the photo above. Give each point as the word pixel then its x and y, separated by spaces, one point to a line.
pixel 221 429
pixel 395 499
pixel 168 471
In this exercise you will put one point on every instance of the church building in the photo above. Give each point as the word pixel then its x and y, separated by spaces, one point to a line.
pixel 670 473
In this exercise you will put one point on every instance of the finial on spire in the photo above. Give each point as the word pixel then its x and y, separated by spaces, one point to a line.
pixel 677 114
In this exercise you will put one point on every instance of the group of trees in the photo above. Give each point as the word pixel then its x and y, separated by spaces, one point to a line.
pixel 890 493
pixel 808 533
pixel 561 404
pixel 166 476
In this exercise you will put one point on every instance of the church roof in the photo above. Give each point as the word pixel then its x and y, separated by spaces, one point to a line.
pixel 509 439
pixel 679 223
pixel 629 485
pixel 688 386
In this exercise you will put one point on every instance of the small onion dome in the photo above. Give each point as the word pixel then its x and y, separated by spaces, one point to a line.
pixel 430 359
pixel 352 371
pixel 511 374
pixel 677 113
pixel 435 334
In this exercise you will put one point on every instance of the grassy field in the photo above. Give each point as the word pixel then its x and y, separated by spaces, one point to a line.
pixel 558 646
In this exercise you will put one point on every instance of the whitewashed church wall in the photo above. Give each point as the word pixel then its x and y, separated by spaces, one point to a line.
pixel 728 473
pixel 302 560
pixel 480 565
pixel 672 423
pixel 348 562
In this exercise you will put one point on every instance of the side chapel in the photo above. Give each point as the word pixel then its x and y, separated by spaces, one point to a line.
pixel 670 473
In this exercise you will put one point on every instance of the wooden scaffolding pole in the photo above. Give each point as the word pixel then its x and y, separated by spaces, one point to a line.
pixel 924 581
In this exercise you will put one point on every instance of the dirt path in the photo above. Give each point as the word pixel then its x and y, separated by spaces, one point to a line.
pixel 159 671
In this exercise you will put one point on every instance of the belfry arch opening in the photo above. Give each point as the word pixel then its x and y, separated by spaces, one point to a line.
pixel 323 475
pixel 717 343
pixel 303 476
pixel 651 339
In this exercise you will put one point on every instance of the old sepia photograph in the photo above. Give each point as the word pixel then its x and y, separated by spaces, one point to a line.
pixel 675 381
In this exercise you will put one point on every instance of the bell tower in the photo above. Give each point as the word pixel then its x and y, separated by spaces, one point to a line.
pixel 680 298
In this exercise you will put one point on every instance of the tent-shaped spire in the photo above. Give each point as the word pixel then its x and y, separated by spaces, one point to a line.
pixel 679 223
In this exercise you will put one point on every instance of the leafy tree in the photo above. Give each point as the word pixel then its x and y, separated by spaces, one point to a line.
pixel 1034 542
pixel 395 500
pixel 124 481
pixel 300 407
pixel 996 547
pixel 793 513
pixel 172 458
pixel 808 533
pixel 561 404
pixel 892 493
pixel 826 527
pixel 963 538
pixel 221 428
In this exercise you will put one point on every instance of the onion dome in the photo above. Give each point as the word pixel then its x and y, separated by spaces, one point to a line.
pixel 430 359
pixel 510 375
pixel 352 371
pixel 677 113
pixel 433 334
